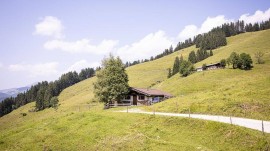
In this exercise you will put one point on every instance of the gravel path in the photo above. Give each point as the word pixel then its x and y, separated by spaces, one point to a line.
pixel 245 122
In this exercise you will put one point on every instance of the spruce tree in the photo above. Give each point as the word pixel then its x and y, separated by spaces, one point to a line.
pixel 169 73
pixel 192 57
pixel 211 53
pixel 176 66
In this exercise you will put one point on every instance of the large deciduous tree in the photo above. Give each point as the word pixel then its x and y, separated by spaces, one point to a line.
pixel 112 80
pixel 186 68
pixel 246 61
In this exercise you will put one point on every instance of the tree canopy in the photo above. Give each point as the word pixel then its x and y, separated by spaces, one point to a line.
pixel 112 80
pixel 186 68
pixel 242 61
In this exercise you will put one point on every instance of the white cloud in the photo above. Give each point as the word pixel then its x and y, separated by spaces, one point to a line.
pixel 257 17
pixel 50 26
pixel 151 44
pixel 188 32
pixel 211 22
pixel 82 64
pixel 81 46
pixel 34 70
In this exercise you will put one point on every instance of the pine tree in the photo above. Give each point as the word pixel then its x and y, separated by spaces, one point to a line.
pixel 211 53
pixel 176 66
pixel 192 57
pixel 169 73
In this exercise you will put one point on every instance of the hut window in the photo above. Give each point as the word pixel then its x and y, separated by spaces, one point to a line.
pixel 141 97
pixel 127 97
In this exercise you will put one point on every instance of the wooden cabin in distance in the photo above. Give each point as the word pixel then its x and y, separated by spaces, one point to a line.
pixel 143 96
pixel 210 67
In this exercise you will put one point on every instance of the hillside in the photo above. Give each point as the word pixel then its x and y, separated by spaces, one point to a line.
pixel 228 91
pixel 80 123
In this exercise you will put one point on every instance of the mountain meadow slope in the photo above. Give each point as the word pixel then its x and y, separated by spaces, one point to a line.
pixel 80 123
pixel 230 92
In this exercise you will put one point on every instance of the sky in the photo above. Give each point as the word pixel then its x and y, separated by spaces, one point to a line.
pixel 40 40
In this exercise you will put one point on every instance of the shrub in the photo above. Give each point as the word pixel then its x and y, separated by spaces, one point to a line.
pixel 258 56
pixel 204 66
pixel 223 63
pixel 23 114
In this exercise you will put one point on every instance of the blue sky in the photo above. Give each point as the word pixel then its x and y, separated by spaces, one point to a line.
pixel 40 40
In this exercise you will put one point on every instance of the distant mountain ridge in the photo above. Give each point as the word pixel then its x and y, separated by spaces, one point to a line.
pixel 13 92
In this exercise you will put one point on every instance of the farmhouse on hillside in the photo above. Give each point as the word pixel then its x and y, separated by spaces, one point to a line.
pixel 210 67
pixel 142 96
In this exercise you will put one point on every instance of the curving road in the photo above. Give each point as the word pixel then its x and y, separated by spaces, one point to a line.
pixel 244 122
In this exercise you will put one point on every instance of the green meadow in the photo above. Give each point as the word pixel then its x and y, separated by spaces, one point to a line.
pixel 80 123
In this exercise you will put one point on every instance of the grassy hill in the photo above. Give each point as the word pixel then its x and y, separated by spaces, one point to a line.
pixel 80 123
pixel 226 91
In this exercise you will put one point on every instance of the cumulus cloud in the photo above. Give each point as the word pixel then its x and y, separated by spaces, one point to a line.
pixel 188 32
pixel 82 64
pixel 81 46
pixel 257 17
pixel 211 22
pixel 34 70
pixel 151 44
pixel 50 26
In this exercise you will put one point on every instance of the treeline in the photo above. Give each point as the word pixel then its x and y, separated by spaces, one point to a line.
pixel 211 40
pixel 199 55
pixel 45 93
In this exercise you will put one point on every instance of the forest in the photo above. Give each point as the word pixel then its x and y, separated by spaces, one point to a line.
pixel 45 93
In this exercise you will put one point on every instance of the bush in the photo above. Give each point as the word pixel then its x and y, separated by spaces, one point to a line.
pixel 258 56
pixel 223 63
pixel 23 114
pixel 204 66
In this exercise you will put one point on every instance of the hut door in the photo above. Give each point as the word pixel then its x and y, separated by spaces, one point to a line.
pixel 134 99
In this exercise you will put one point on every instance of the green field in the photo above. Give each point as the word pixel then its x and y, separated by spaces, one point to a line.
pixel 226 91
pixel 80 123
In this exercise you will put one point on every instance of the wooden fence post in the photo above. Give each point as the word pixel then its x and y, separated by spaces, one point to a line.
pixel 176 104
pixel 262 127
pixel 189 112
